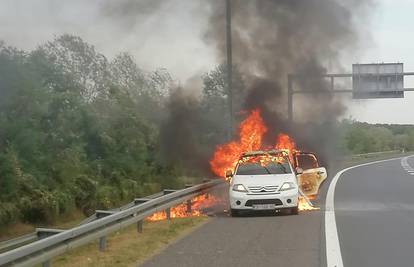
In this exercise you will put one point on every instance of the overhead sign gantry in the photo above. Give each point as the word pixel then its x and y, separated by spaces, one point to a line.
pixel 385 80
pixel 369 81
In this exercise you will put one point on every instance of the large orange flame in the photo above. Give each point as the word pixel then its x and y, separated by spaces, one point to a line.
pixel 251 132
pixel 284 142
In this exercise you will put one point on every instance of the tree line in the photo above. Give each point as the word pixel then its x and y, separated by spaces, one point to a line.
pixel 77 130
pixel 80 131
pixel 360 137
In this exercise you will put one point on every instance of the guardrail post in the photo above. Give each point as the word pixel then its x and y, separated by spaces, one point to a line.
pixel 206 181
pixel 139 226
pixel 189 210
pixel 168 210
pixel 102 243
pixel 46 264
pixel 168 213
pixel 139 201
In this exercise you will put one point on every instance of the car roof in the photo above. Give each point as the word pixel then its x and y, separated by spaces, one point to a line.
pixel 273 152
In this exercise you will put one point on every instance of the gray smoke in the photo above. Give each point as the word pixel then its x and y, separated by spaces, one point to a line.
pixel 271 39
pixel 179 130
pixel 128 13
pixel 274 38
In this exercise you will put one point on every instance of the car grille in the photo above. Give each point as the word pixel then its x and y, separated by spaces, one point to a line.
pixel 252 202
pixel 263 190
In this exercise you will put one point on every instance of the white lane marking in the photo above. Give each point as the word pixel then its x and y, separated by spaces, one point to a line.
pixel 406 166
pixel 333 248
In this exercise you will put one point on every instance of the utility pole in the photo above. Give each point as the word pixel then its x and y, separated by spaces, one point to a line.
pixel 229 67
pixel 290 98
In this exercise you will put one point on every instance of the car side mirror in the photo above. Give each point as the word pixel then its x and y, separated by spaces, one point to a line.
pixel 299 170
pixel 229 174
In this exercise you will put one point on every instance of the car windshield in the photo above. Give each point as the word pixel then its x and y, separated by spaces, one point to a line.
pixel 258 168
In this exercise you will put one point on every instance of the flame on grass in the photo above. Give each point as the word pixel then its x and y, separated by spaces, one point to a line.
pixel 198 206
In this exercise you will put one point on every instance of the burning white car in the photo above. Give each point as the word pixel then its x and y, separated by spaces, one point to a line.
pixel 263 180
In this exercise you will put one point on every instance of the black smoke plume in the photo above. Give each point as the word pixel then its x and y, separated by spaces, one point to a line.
pixel 271 39
pixel 274 38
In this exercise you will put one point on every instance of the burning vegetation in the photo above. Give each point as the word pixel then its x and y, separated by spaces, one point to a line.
pixel 198 206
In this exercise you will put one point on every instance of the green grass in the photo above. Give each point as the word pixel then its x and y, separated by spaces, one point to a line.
pixel 129 248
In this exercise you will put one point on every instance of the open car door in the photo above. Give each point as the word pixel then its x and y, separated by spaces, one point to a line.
pixel 310 175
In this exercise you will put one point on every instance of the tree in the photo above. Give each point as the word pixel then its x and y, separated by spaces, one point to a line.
pixel 215 86
pixel 79 61
pixel 148 90
pixel 215 102
pixel 127 75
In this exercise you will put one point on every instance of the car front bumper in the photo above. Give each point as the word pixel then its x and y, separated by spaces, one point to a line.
pixel 247 201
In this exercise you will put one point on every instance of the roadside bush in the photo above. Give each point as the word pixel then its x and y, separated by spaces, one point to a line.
pixel 65 201
pixel 9 213
pixel 106 197
pixel 84 192
pixel 150 188
pixel 40 206
pixel 129 189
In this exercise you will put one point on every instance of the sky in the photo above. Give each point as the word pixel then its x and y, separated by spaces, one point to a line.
pixel 172 38
pixel 392 41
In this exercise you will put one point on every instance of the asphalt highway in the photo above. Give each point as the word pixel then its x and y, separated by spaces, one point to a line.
pixel 248 241
pixel 257 239
pixel 374 207
pixel 373 211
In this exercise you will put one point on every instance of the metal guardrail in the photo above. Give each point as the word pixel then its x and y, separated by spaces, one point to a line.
pixel 100 225
pixel 19 241
pixel 40 233
pixel 124 207
pixel 366 155
pixel 339 159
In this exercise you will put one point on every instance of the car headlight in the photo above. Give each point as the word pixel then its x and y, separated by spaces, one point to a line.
pixel 239 188
pixel 287 186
